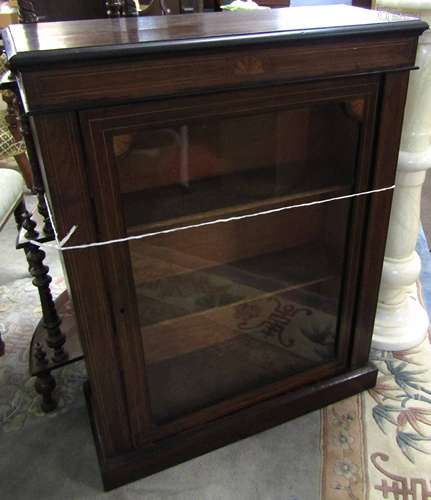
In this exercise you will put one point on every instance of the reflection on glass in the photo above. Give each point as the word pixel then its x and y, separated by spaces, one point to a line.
pixel 144 5
pixel 231 307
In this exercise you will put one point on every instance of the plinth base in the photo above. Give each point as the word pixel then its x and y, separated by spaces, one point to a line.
pixel 159 455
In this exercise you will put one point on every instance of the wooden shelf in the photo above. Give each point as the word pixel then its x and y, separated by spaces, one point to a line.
pixel 69 328
pixel 202 329
pixel 199 360
pixel 184 293
pixel 42 237
pixel 217 197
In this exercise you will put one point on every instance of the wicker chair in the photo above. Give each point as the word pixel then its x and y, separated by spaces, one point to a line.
pixel 12 177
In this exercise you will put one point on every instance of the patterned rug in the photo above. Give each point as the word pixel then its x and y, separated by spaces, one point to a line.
pixel 20 312
pixel 18 400
pixel 376 445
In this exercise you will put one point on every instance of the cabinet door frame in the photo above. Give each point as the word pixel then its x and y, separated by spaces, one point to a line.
pixel 97 127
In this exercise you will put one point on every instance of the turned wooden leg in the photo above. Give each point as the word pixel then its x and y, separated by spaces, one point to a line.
pixel 29 225
pixel 42 209
pixel 45 385
pixel 34 170
pixel 30 230
pixel 23 219
pixel 41 280
pixel 45 382
pixel 20 214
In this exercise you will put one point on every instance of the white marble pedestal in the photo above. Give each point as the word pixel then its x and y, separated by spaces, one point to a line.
pixel 401 322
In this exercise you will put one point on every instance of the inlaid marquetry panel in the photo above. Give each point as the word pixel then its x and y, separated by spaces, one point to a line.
pixel 154 75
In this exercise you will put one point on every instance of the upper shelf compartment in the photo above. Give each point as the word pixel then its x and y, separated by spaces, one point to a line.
pixel 180 173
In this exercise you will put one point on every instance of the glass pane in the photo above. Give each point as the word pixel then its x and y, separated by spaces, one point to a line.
pixel 229 307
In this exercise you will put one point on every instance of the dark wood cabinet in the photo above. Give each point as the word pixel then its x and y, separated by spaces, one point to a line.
pixel 234 150
pixel 32 11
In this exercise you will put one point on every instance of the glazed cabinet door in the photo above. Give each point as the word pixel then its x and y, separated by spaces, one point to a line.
pixel 240 277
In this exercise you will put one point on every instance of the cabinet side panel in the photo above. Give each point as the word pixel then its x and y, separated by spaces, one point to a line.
pixel 393 98
pixel 59 149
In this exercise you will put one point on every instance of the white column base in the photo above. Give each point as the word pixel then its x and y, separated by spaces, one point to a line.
pixel 401 328
pixel 401 322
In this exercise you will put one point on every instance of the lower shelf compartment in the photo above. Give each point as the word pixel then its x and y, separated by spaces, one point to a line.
pixel 208 286
pixel 210 357
pixel 212 332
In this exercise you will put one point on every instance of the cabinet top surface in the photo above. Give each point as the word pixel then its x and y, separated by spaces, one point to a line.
pixel 95 39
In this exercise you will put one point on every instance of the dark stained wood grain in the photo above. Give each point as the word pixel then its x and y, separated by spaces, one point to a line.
pixel 98 126
pixel 85 274
pixel 32 44
pixel 153 76
pixel 174 450
pixel 77 107
pixel 394 92
pixel 352 259
pixel 280 53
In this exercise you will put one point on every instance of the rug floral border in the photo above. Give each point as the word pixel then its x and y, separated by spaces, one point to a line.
pixel 401 409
